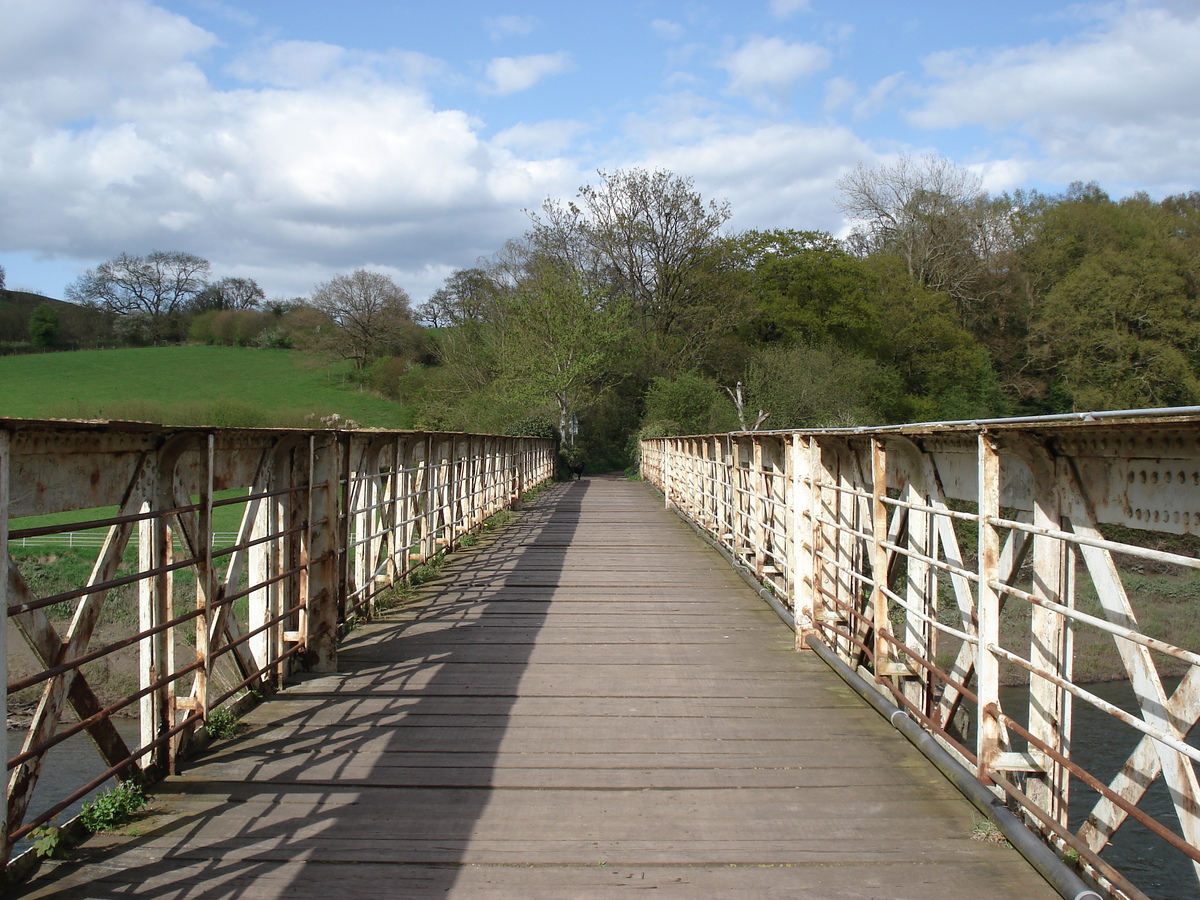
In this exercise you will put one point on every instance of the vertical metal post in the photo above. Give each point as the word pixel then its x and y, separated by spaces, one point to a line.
pixel 362 497
pixel 801 514
pixel 1047 701
pixel 206 582
pixel 921 596
pixel 154 608
pixel 758 499
pixel 5 456
pixel 322 538
pixel 879 532
pixel 987 669
pixel 259 571
pixel 735 497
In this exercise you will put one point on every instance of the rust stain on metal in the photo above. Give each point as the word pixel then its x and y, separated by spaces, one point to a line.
pixel 1058 483
pixel 296 527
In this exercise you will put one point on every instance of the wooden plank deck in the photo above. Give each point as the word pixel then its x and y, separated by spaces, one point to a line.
pixel 592 704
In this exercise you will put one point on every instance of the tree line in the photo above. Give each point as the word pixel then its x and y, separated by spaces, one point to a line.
pixel 633 308
pixel 943 302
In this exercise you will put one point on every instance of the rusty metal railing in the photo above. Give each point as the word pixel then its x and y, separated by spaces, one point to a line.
pixel 942 560
pixel 227 559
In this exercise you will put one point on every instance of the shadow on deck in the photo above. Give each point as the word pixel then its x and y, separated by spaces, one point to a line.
pixel 592 702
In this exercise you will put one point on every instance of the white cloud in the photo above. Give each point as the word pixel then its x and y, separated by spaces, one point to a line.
pixel 228 12
pixel 1117 103
pixel 289 64
pixel 65 59
pixel 540 139
pixel 500 27
pixel 880 95
pixel 509 74
pixel 782 9
pixel 117 142
pixel 772 64
pixel 303 64
pixel 775 176
pixel 838 92
pixel 668 30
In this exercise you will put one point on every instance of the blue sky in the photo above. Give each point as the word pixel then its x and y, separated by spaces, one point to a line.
pixel 290 141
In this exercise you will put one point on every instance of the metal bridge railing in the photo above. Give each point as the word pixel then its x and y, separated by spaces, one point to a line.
pixel 942 560
pixel 326 521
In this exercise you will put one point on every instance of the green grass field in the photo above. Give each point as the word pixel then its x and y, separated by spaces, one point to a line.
pixel 193 385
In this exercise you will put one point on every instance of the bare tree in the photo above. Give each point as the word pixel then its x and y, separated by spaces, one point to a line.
pixel 467 296
pixel 370 313
pixel 153 287
pixel 229 293
pixel 935 216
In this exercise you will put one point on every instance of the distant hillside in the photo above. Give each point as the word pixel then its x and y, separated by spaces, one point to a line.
pixel 16 306
pixel 26 300
pixel 191 385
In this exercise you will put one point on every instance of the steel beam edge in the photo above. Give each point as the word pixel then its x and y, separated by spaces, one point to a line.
pixel 1043 859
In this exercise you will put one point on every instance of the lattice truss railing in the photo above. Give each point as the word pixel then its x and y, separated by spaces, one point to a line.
pixel 413 496
pixel 942 561
pixel 326 522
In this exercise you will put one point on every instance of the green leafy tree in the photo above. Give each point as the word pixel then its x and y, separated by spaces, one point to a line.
pixel 556 343
pixel 807 386
pixel 946 373
pixel 806 287
pixel 649 238
pixel 687 403
pixel 1116 321
pixel 43 326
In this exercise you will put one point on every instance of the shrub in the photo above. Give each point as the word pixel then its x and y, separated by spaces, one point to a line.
pixel 112 808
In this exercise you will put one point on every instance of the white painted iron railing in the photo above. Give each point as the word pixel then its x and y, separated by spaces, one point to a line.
pixel 941 560
pixel 329 521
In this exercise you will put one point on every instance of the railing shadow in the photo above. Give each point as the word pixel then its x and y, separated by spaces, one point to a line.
pixel 388 764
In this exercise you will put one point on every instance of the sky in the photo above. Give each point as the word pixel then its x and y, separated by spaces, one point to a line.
pixel 293 140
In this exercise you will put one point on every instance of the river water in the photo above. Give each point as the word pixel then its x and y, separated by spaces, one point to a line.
pixel 1101 745
pixel 68 767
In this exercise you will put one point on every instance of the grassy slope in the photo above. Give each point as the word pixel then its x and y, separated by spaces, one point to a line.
pixel 186 385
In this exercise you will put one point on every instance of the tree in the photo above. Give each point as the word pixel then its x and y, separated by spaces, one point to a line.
pixel 467 296
pixel 2 281
pixel 152 288
pixel 806 287
pixel 807 386
pixel 557 343
pixel 43 325
pixel 369 313
pixel 1117 317
pixel 687 404
pixel 648 236
pixel 934 216
pixel 945 371
pixel 229 293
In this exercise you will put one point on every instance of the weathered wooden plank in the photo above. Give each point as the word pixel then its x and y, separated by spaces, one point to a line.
pixel 594 704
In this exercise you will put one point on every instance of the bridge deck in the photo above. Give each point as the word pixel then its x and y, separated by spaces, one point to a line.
pixel 595 703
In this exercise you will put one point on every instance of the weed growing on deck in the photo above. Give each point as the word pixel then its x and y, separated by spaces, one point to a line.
pixel 112 808
pixel 986 831
pixel 48 842
pixel 222 723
